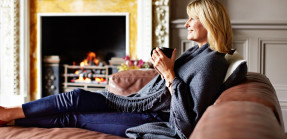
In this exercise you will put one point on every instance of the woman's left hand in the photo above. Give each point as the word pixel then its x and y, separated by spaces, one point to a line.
pixel 163 64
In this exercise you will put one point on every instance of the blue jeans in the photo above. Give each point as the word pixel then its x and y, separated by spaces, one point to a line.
pixel 83 109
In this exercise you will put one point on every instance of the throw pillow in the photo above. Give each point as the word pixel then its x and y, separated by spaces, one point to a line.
pixel 236 71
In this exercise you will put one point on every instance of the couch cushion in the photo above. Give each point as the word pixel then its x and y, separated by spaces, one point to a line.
pixel 130 81
pixel 238 120
pixel 257 88
pixel 51 133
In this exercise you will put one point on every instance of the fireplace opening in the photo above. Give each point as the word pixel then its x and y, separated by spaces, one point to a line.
pixel 71 37
pixel 66 41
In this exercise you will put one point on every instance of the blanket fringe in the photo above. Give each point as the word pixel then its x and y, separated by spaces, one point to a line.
pixel 133 104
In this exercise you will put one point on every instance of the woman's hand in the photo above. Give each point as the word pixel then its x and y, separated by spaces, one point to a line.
pixel 163 64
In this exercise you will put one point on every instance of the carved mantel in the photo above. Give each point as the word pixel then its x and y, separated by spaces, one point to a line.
pixel 153 26
pixel 12 71
pixel 161 23
pixel 9 46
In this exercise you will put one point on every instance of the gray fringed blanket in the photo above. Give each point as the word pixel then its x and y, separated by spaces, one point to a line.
pixel 199 75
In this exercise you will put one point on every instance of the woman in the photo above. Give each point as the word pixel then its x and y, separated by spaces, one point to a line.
pixel 167 107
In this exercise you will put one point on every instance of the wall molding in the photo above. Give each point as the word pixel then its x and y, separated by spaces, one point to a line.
pixel 260 24
pixel 283 104
pixel 245 44
pixel 281 91
pixel 186 44
pixel 263 42
pixel 25 49
pixel 281 87
pixel 245 24
pixel 178 23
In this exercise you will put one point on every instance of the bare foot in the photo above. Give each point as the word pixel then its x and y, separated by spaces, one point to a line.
pixel 9 114
pixel 4 116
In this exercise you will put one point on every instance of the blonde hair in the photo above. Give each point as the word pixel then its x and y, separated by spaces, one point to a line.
pixel 214 17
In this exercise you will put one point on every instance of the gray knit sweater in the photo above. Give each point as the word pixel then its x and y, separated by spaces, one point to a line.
pixel 199 75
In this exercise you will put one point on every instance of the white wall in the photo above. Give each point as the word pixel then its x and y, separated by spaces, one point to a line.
pixel 256 9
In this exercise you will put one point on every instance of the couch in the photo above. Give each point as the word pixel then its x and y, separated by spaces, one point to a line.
pixel 249 109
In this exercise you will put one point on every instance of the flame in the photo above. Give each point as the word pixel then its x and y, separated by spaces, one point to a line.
pixel 82 79
pixel 100 79
pixel 84 63
pixel 91 58
pixel 77 72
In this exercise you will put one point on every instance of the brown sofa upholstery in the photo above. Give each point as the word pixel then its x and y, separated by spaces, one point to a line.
pixel 247 110
pixel 127 82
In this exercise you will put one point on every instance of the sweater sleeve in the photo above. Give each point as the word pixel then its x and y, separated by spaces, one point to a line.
pixel 191 97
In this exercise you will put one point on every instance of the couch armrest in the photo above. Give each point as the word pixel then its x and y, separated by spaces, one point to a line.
pixel 257 89
pixel 129 81
pixel 238 119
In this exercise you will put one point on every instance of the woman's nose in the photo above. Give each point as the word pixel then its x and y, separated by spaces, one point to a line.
pixel 186 24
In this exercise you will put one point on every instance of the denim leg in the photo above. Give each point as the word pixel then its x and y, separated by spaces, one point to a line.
pixel 77 100
pixel 114 123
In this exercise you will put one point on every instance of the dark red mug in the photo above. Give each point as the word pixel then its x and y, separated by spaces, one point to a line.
pixel 166 51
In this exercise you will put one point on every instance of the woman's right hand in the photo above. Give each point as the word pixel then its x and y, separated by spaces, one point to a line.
pixel 163 64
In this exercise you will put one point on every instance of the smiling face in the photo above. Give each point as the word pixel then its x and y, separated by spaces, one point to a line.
pixel 196 31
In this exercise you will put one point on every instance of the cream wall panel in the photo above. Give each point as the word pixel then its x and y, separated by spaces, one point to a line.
pixel 274 54
pixel 241 47
pixel 257 38
pixel 241 9
pixel 186 44
pixel 284 114
pixel 177 37
pixel 256 9
pixel 274 66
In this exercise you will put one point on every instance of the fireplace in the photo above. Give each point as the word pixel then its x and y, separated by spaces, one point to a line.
pixel 143 21
pixel 65 41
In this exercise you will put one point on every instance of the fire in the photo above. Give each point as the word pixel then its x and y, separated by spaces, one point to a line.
pixel 99 80
pixel 90 60
pixel 82 79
